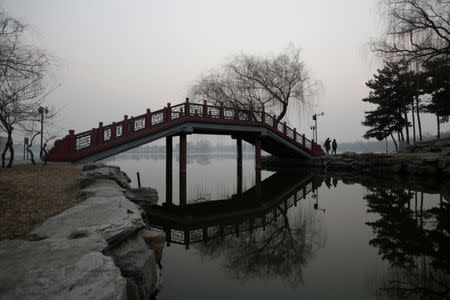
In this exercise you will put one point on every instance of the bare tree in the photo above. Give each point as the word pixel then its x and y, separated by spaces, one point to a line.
pixel 416 29
pixel 22 80
pixel 254 82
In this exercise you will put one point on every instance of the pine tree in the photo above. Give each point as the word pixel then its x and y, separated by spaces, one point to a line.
pixel 392 91
pixel 437 83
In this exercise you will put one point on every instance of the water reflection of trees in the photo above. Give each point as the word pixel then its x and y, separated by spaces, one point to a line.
pixel 416 244
pixel 283 248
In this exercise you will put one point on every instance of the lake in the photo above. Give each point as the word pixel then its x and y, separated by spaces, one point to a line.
pixel 296 235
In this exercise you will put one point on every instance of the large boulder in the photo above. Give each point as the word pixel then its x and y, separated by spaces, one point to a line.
pixel 108 212
pixel 59 268
pixel 92 175
pixel 156 240
pixel 138 264
pixel 143 196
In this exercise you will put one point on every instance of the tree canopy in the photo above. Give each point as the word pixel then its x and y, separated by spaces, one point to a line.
pixel 416 29
pixel 392 90
pixel 254 82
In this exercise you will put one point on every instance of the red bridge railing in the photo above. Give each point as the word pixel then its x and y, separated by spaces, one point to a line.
pixel 75 146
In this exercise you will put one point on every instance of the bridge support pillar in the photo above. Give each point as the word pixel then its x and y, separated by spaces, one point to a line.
pixel 169 169
pixel 183 153
pixel 258 162
pixel 258 167
pixel 239 165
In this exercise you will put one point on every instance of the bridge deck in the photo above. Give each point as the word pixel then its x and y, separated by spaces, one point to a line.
pixel 276 138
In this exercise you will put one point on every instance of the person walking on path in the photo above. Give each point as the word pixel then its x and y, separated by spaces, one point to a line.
pixel 327 145
pixel 334 145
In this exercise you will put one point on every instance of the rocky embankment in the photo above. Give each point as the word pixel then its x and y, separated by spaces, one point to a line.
pixel 409 164
pixel 98 249
pixel 431 159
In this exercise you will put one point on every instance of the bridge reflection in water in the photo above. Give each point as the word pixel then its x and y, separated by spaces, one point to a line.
pixel 190 223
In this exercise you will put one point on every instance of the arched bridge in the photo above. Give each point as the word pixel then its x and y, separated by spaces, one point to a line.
pixel 256 127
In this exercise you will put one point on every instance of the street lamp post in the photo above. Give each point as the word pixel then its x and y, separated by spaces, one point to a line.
pixel 315 120
pixel 313 128
pixel 41 111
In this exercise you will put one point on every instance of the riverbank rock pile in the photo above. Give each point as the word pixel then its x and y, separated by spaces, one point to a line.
pixel 441 146
pixel 98 249
pixel 411 164
pixel 421 164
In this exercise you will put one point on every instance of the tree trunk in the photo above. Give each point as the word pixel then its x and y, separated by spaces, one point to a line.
pixel 45 156
pixel 8 146
pixel 11 157
pixel 402 135
pixel 31 155
pixel 413 122
pixel 419 125
pixel 283 112
pixel 438 127
pixel 4 154
pixel 407 127
pixel 395 143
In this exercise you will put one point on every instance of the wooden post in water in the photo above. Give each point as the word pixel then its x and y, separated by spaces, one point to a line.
pixel 138 179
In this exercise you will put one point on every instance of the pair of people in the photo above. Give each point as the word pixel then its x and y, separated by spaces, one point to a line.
pixel 328 145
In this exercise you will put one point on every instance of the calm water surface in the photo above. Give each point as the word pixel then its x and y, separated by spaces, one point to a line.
pixel 299 236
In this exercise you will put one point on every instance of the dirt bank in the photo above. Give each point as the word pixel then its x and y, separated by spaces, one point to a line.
pixel 31 194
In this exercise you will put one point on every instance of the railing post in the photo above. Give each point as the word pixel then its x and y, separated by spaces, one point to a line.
pixel 148 118
pixel 187 112
pixel 205 109
pixel 295 134
pixel 101 135
pixel 125 128
pixel 71 141
pixel 274 120
pixel 303 139
pixel 113 130
pixel 284 128
pixel 168 113
pixel 93 136
pixel 131 125
pixel 221 111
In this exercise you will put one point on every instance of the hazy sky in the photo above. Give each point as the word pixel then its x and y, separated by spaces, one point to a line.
pixel 121 57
